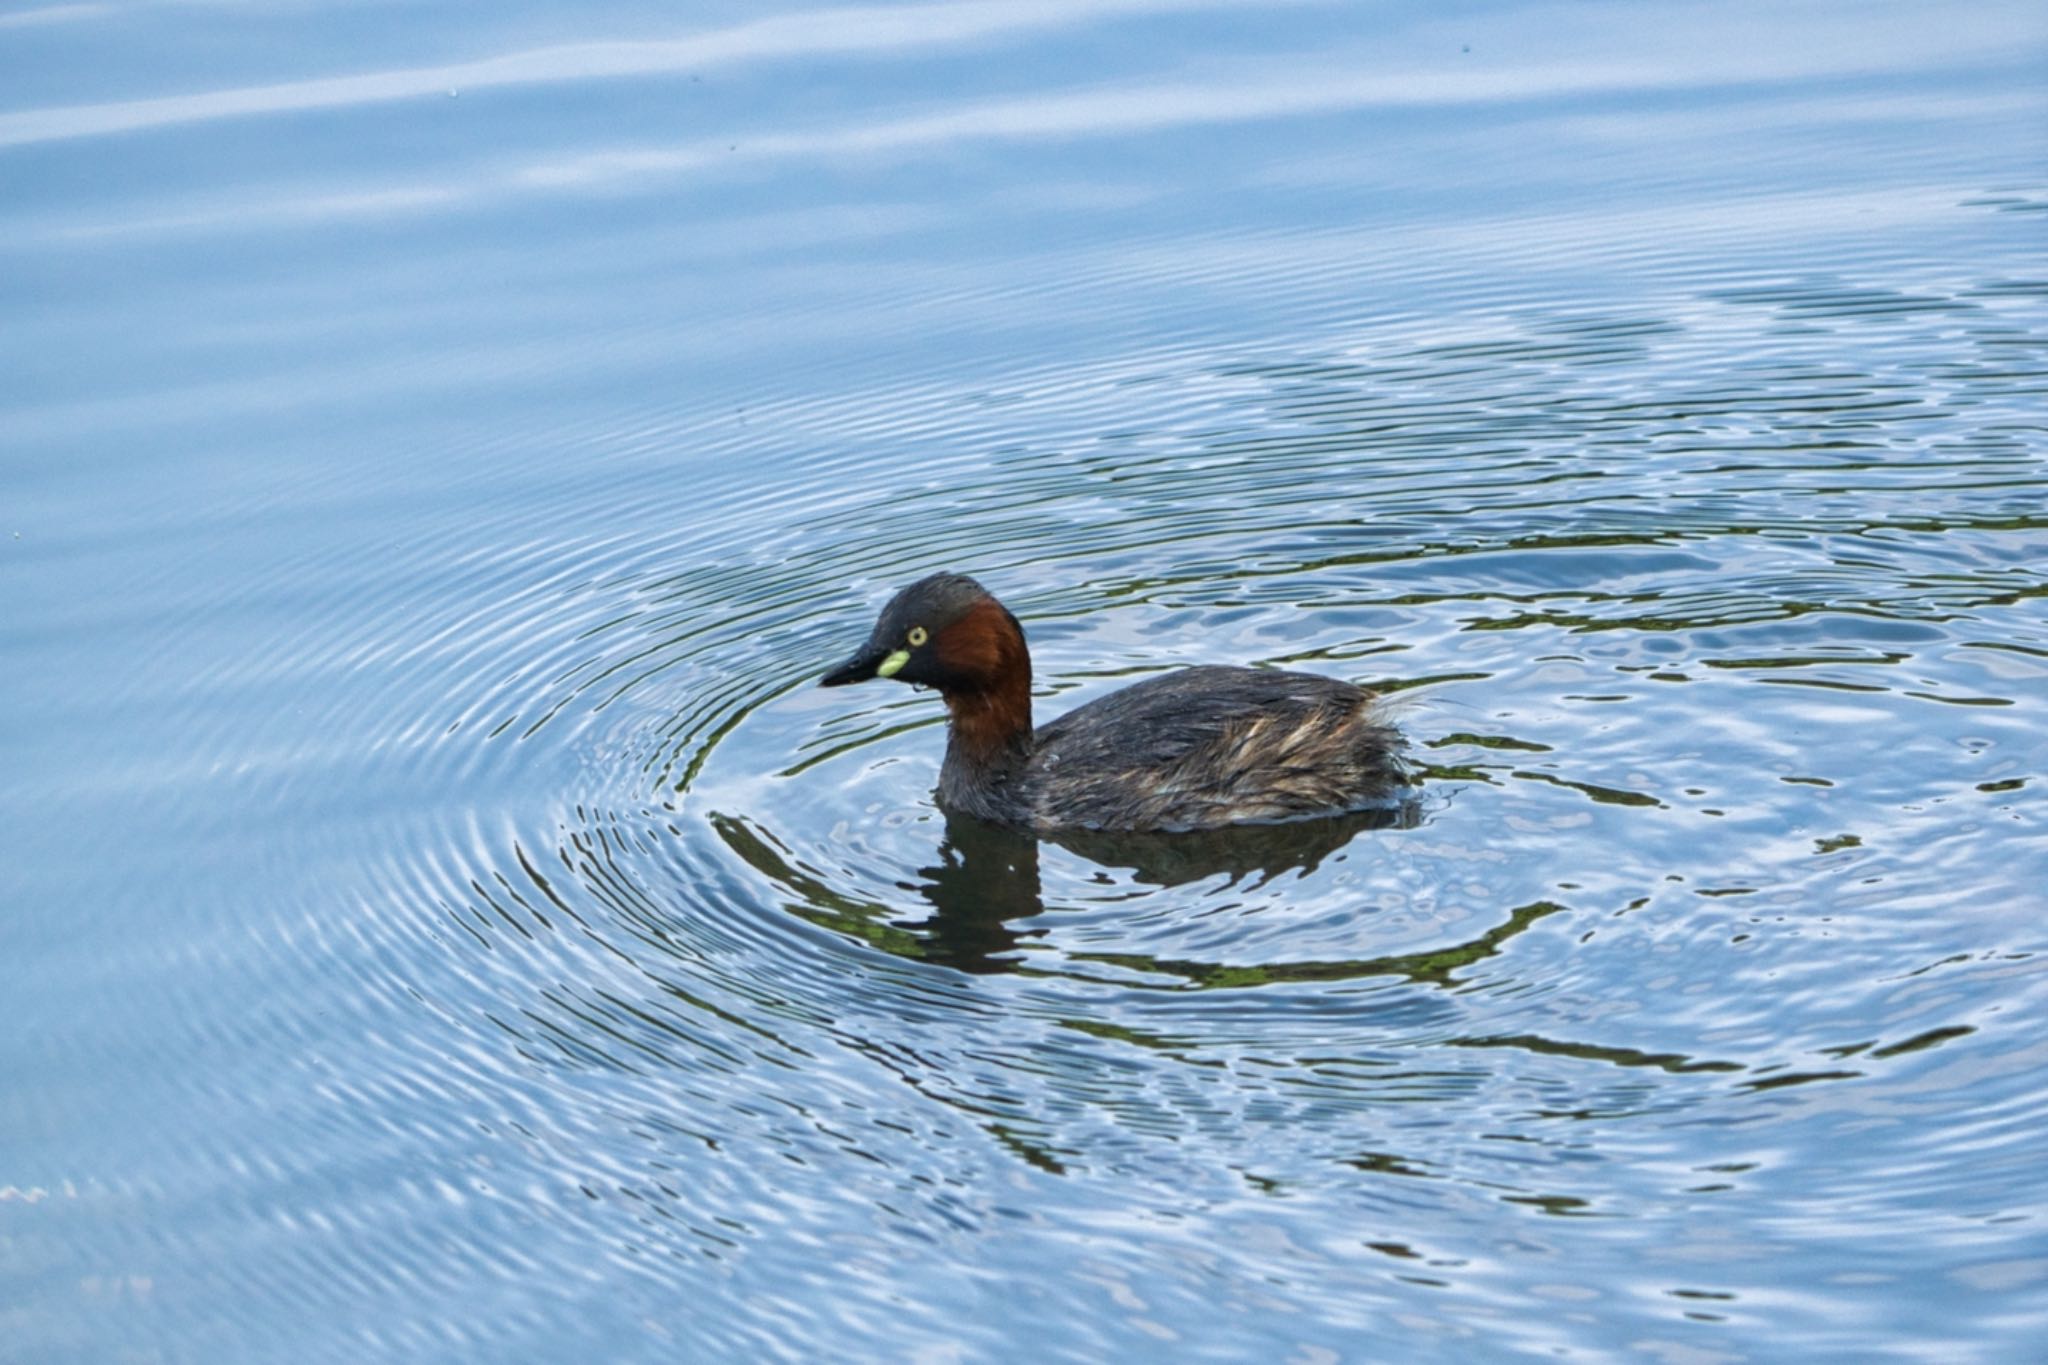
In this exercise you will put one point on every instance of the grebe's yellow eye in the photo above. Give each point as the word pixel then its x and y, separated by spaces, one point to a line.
pixel 917 636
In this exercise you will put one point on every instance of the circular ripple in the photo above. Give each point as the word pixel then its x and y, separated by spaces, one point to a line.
pixel 1718 653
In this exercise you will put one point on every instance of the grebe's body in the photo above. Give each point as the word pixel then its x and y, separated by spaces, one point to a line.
pixel 1196 748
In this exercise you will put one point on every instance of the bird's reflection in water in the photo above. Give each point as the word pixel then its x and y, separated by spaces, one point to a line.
pixel 986 879
pixel 986 885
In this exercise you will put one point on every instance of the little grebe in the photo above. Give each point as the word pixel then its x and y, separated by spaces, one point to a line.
pixel 1193 749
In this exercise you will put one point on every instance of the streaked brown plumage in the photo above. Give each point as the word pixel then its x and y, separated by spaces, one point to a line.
pixel 1196 748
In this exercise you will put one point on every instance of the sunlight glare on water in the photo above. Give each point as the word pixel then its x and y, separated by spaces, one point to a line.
pixel 441 451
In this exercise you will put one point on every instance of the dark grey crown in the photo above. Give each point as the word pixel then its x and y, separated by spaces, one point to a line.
pixel 934 603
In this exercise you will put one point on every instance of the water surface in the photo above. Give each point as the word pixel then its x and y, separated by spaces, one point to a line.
pixel 439 452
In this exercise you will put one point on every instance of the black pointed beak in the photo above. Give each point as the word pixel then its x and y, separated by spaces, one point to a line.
pixel 859 668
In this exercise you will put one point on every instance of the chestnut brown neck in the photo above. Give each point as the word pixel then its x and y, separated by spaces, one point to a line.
pixel 986 672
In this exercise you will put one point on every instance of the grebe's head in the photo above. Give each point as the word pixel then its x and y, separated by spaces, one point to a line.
pixel 947 632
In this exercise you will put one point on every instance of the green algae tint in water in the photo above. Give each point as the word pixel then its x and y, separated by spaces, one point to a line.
pixel 444 921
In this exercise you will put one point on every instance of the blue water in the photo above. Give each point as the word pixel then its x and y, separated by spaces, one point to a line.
pixel 439 449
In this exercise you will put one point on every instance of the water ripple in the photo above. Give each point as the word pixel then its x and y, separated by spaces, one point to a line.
pixel 746 942
pixel 526 937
